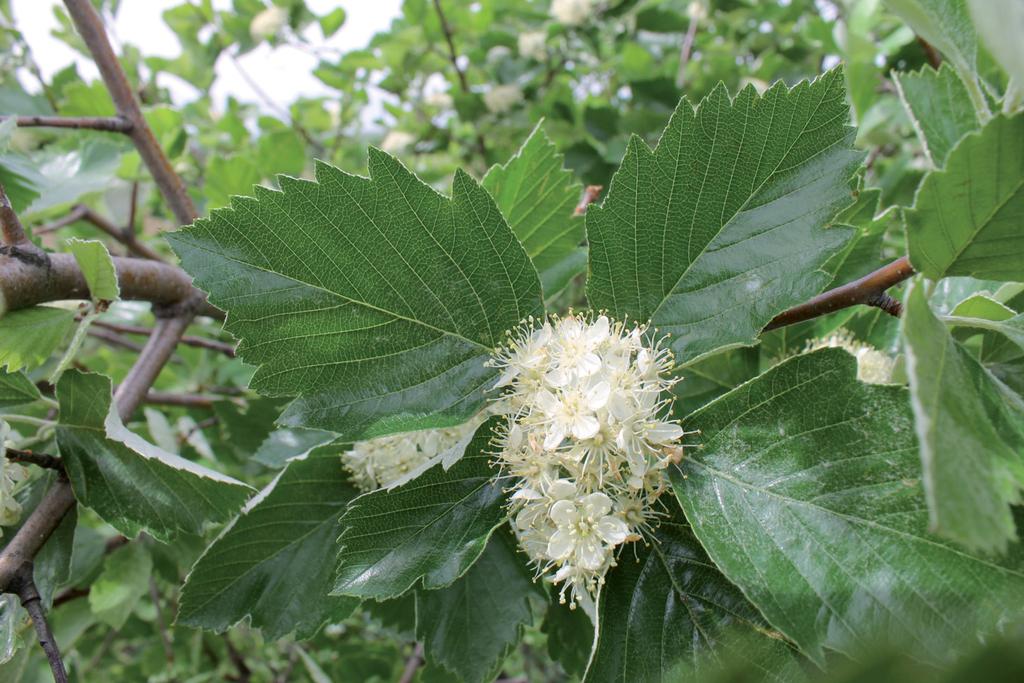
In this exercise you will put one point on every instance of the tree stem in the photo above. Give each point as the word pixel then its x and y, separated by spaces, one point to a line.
pixel 109 124
pixel 868 290
pixel 25 588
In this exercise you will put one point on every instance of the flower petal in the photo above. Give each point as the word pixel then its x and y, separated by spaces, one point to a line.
pixel 561 545
pixel 612 530
pixel 663 432
pixel 596 505
pixel 561 489
pixel 563 513
pixel 585 427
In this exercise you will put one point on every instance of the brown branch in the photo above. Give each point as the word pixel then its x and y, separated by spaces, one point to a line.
pixel 161 623
pixel 114 339
pixel 590 195
pixel 90 28
pixel 930 53
pixel 236 657
pixel 108 124
pixel 197 342
pixel 412 664
pixel 25 588
pixel 37 528
pixel 685 51
pixel 43 460
pixel 12 230
pixel 26 280
pixel 453 57
pixel 159 347
pixel 164 398
pixel 869 291
pixel 126 236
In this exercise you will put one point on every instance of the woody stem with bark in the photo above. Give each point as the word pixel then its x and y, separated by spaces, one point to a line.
pixel 16 557
pixel 869 290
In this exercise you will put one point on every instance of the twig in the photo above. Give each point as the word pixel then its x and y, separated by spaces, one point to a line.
pixel 13 231
pixel 590 195
pixel 159 347
pixel 90 28
pixel 50 462
pixel 37 528
pixel 25 588
pixel 244 672
pixel 869 291
pixel 125 236
pixel 930 53
pixel 69 595
pixel 161 625
pixel 185 400
pixel 412 664
pixel 114 339
pixel 453 57
pixel 198 342
pixel 108 124
pixel 685 50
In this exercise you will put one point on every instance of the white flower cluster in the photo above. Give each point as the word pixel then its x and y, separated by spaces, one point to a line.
pixel 873 366
pixel 571 12
pixel 11 475
pixel 396 141
pixel 502 98
pixel 532 45
pixel 391 460
pixel 586 443
pixel 267 23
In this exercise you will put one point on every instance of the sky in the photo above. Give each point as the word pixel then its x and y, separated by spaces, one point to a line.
pixel 284 73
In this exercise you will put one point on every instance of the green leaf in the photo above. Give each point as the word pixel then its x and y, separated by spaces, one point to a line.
pixel 97 268
pixel 1011 328
pixel 537 196
pixel 470 627
pixel 966 217
pixel 376 300
pixel 971 432
pixel 124 579
pixel 275 562
pixel 946 24
pixel 433 528
pixel 282 445
pixel 28 337
pixel 806 495
pixel 332 21
pixel 227 176
pixel 131 484
pixel 721 227
pixel 665 608
pixel 939 107
pixel 999 23
pixel 16 389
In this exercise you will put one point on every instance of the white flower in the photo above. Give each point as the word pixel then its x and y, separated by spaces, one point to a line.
pixel 585 531
pixel 441 100
pixel 571 12
pixel 586 442
pixel 396 141
pixel 531 45
pixel 873 366
pixel 500 98
pixel 267 23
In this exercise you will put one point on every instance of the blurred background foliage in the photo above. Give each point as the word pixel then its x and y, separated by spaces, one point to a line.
pixel 448 85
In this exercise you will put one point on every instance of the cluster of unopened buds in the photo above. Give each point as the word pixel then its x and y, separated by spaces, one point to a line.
pixel 388 461
pixel 873 366
pixel 585 443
